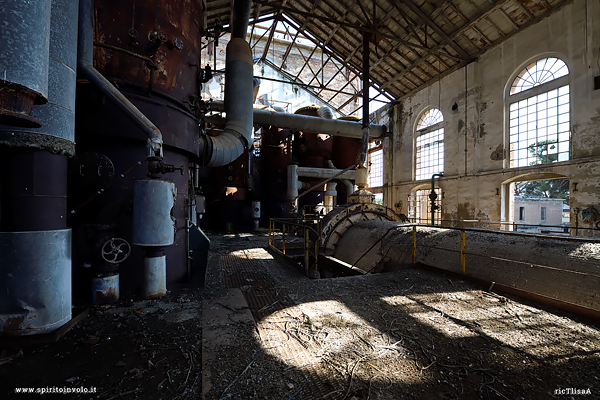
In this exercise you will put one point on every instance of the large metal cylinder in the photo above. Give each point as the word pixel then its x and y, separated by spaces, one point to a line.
pixel 35 281
pixel 155 277
pixel 34 190
pixel 168 32
pixel 153 202
pixel 57 133
pixel 25 35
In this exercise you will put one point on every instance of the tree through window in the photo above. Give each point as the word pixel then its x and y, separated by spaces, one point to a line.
pixel 539 114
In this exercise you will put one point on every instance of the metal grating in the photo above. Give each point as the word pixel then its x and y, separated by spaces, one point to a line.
pixel 273 311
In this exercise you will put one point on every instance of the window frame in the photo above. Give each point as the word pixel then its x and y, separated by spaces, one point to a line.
pixel 375 147
pixel 511 99
pixel 430 129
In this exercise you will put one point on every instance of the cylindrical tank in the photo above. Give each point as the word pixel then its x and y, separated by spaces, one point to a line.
pixel 153 202
pixel 36 248
pixel 24 46
pixel 155 276
pixel 105 288
pixel 35 281
pixel 57 133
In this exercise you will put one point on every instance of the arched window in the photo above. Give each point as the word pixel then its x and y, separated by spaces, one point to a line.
pixel 429 154
pixel 539 114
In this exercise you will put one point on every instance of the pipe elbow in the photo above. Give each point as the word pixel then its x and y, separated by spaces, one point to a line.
pixel 226 148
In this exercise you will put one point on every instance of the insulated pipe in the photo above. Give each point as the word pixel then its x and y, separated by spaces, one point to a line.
pixel 303 123
pixel 293 184
pixel 237 135
pixel 346 182
pixel 241 16
pixel 85 60
pixel 325 112
pixel 365 105
pixel 309 172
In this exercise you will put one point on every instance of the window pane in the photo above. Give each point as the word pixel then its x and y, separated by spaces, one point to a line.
pixel 536 136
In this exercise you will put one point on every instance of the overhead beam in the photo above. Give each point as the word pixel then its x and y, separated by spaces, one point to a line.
pixel 414 8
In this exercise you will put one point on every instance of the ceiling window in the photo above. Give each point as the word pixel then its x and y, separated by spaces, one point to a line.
pixel 429 154
pixel 539 114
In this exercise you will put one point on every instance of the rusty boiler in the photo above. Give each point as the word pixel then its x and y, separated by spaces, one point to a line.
pixel 150 51
pixel 275 155
pixel 313 150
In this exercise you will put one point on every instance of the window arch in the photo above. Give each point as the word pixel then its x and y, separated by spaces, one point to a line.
pixel 539 114
pixel 429 144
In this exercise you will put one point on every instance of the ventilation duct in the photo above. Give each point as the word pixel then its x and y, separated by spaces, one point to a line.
pixel 239 76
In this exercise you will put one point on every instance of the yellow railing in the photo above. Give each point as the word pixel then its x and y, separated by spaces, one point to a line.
pixel 295 238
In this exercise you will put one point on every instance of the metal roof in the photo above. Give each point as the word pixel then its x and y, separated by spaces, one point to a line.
pixel 414 42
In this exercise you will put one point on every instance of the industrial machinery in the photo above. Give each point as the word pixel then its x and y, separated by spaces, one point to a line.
pixel 113 163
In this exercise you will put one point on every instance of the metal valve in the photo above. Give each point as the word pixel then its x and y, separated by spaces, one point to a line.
pixel 115 250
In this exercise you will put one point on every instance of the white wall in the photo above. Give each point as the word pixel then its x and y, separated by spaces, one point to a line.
pixel 475 177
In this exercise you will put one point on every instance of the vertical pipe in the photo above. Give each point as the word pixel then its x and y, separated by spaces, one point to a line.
pixel 433 196
pixel 365 100
pixel 462 253
pixel 414 244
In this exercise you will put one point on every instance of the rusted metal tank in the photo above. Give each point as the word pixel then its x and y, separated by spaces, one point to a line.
pixel 312 150
pixel 155 43
pixel 151 51
pixel 346 152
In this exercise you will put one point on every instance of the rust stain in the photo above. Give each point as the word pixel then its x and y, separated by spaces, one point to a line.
pixel 110 296
pixel 13 324
pixel 156 296
pixel 465 211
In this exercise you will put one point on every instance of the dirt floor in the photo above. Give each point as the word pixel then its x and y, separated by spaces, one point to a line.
pixel 259 329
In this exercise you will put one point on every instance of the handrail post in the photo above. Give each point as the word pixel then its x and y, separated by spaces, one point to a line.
pixel 414 244
pixel 270 231
pixel 283 236
pixel 462 252
pixel 306 263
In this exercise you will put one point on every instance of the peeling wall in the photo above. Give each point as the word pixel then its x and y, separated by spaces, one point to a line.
pixel 476 171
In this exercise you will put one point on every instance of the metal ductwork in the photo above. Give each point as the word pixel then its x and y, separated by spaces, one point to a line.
pixel 325 112
pixel 85 62
pixel 239 75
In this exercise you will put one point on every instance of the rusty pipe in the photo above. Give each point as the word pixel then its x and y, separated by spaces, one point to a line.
pixel 85 60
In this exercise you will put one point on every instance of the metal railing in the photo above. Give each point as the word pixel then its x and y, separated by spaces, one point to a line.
pixel 507 226
pixel 464 253
pixel 296 238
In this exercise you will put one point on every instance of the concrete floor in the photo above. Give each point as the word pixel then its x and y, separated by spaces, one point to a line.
pixel 269 332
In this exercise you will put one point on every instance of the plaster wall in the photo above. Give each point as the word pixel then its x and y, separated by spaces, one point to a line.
pixel 472 100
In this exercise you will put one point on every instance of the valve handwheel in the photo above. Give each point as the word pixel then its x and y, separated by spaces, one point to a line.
pixel 115 250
